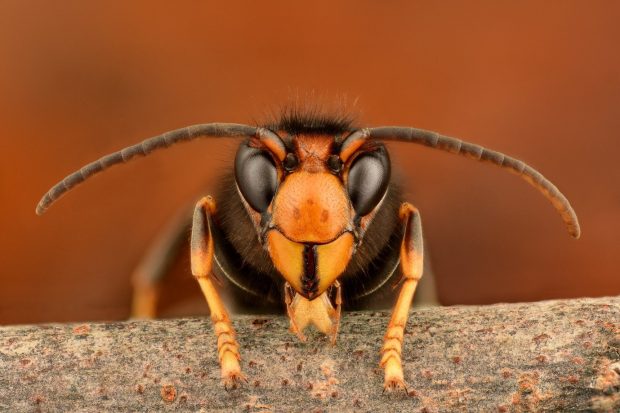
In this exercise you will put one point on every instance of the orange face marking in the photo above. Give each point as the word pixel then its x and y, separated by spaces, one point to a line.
pixel 332 259
pixel 311 242
pixel 312 207
pixel 287 256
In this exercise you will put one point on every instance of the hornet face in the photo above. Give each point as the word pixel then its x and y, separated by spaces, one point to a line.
pixel 311 197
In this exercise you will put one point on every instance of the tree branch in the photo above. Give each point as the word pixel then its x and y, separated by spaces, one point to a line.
pixel 547 356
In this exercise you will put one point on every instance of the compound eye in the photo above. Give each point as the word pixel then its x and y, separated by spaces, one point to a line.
pixel 256 176
pixel 368 180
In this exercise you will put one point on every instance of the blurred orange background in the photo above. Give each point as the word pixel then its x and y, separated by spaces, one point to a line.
pixel 537 80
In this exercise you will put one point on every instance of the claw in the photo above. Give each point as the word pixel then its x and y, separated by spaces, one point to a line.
pixel 393 370
pixel 231 371
pixel 233 380
pixel 394 383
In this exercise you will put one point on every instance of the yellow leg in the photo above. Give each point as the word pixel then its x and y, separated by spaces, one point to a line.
pixel 156 264
pixel 144 301
pixel 202 260
pixel 411 261
pixel 336 317
pixel 227 346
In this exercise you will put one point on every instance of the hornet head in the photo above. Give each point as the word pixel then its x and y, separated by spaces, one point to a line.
pixel 311 195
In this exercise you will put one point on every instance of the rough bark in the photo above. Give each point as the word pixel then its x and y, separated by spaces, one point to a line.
pixel 547 356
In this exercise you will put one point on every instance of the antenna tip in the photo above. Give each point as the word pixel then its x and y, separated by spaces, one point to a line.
pixel 40 210
pixel 574 229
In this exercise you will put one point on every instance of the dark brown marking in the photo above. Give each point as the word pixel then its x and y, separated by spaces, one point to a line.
pixel 324 215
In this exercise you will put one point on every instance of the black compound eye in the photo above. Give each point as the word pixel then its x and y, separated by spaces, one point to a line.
pixel 256 176
pixel 368 180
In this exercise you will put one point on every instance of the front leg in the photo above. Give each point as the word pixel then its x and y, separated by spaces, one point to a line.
pixel 337 312
pixel 411 263
pixel 289 293
pixel 202 259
